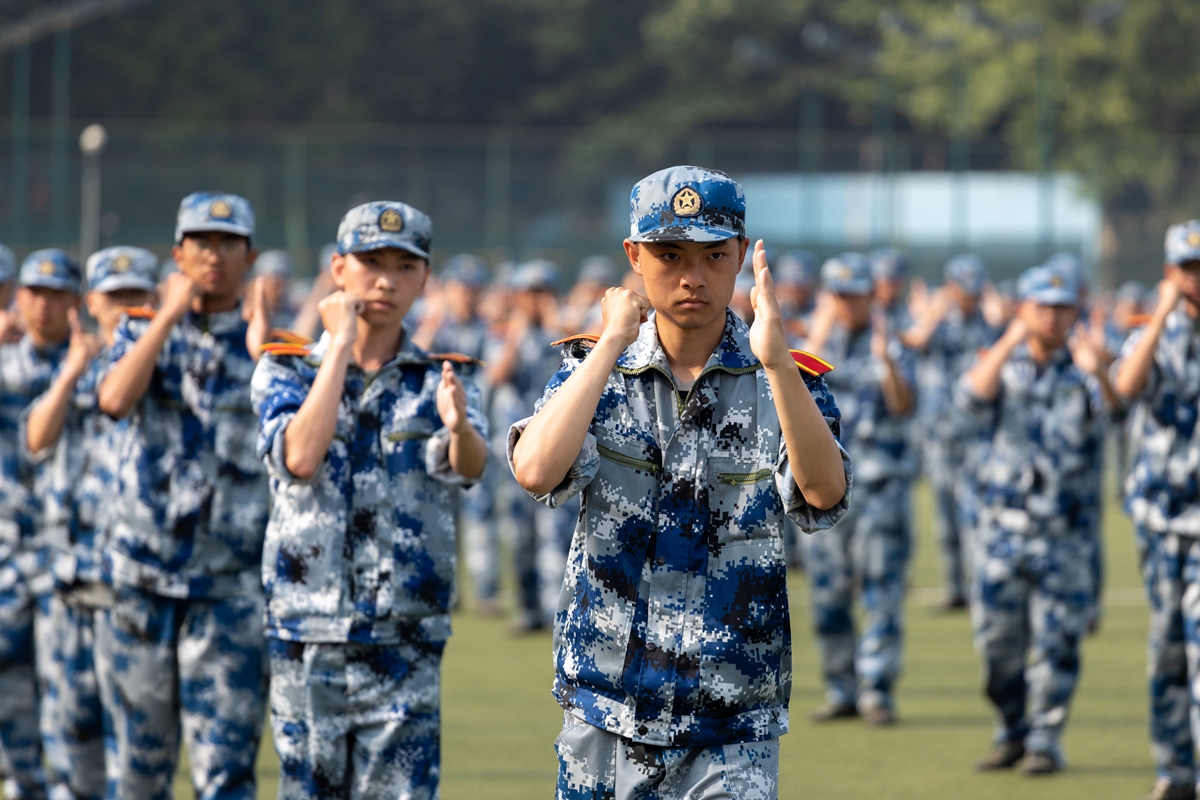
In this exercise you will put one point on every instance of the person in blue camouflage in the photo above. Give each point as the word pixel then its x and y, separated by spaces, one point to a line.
pixel 867 552
pixel 1043 396
pixel 73 448
pixel 947 336
pixel 49 287
pixel 889 271
pixel 1159 371
pixel 698 437
pixel 182 650
pixel 366 437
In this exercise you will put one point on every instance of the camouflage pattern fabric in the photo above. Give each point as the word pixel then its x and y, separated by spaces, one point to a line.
pixel 673 628
pixel 595 763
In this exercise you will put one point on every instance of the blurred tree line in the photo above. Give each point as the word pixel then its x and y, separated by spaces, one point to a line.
pixel 1107 88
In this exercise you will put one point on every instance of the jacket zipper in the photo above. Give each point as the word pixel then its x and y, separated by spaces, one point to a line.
pixel 628 461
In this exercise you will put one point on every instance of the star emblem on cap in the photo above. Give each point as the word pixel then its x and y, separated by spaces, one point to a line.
pixel 1193 238
pixel 46 267
pixel 687 202
pixel 1056 281
pixel 391 221
pixel 220 209
pixel 122 263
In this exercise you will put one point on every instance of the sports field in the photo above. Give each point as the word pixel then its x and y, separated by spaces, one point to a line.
pixel 499 720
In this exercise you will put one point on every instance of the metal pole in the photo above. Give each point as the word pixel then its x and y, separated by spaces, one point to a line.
pixel 60 103
pixel 18 197
pixel 295 217
pixel 91 144
pixel 960 157
pixel 1045 152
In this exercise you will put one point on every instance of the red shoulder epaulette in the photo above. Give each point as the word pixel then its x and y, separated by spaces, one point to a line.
pixel 809 363
pixel 284 349
pixel 587 337
pixel 1138 320
pixel 139 312
pixel 279 335
pixel 457 358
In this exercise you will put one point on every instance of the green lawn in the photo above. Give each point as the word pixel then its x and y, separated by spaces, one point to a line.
pixel 500 721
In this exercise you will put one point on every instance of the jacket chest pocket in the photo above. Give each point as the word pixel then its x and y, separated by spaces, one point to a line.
pixel 742 501
pixel 627 479
pixel 403 444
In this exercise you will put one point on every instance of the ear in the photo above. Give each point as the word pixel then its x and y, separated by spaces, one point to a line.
pixel 425 280
pixel 251 257
pixel 337 269
pixel 633 252
pixel 743 248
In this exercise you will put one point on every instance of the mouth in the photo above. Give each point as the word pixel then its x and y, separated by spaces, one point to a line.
pixel 380 305
pixel 691 303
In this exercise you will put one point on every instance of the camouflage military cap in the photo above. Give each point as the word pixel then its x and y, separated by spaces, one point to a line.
pixel 968 272
pixel 201 212
pixel 795 268
pixel 385 223
pixel 1049 285
pixel 51 268
pixel 8 265
pixel 116 268
pixel 274 264
pixel 848 273
pixel 467 269
pixel 1132 291
pixel 887 264
pixel 598 269
pixel 1183 242
pixel 686 204
pixel 536 275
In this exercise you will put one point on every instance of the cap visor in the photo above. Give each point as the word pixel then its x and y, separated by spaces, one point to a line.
pixel 118 282
pixel 219 227
pixel 1054 297
pixel 51 282
pixel 685 233
pixel 850 287
pixel 382 244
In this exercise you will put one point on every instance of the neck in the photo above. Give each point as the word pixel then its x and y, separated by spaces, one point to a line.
pixel 688 349
pixel 1191 307
pixel 40 342
pixel 1040 351
pixel 374 347
pixel 215 304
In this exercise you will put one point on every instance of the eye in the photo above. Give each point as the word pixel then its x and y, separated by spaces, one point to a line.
pixel 670 256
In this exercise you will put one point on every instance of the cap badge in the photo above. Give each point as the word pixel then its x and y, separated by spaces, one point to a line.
pixel 1194 239
pixel 391 221
pixel 46 267
pixel 687 203
pixel 122 263
pixel 1056 281
pixel 220 210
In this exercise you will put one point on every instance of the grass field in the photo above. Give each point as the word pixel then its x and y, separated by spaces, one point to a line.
pixel 499 720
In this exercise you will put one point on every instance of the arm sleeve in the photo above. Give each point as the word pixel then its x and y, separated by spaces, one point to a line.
pixel 1152 379
pixel 437 451
pixel 586 463
pixel 971 413
pixel 807 517
pixel 276 393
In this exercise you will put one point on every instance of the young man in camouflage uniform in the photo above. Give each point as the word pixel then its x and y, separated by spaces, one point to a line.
pixel 183 646
pixel 75 448
pixel 1043 398
pixel 366 437
pixel 1159 369
pixel 48 290
pixel 698 435
pixel 867 552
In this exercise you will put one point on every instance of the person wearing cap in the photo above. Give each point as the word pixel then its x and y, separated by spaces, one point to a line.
pixel 308 318
pixel 947 336
pixel 1042 396
pixel 689 437
pixel 47 296
pixel 274 270
pixel 454 325
pixel 867 551
pixel 10 321
pixel 185 633
pixel 794 274
pixel 889 269
pixel 73 448
pixel 519 366
pixel 367 438
pixel 1159 371
pixel 581 310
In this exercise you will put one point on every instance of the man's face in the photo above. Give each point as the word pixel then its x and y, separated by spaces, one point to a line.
pixel 388 281
pixel 1186 276
pixel 276 288
pixel 6 294
pixel 44 312
pixel 688 283
pixel 216 261
pixel 1049 324
pixel 853 311
pixel 107 307
pixel 966 301
pixel 887 290
pixel 462 299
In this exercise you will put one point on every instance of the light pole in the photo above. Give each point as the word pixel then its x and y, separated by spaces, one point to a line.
pixel 91 144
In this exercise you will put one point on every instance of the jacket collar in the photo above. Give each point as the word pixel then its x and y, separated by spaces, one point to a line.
pixel 733 353
pixel 408 353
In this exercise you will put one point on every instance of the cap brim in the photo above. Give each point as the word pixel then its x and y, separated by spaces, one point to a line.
pixel 850 287
pixel 217 227
pixel 383 244
pixel 115 283
pixel 685 233
pixel 1180 258
pixel 51 282
pixel 1054 297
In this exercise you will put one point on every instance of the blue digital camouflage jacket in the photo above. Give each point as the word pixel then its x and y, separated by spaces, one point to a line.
pixel 365 549
pixel 673 626
pixel 190 510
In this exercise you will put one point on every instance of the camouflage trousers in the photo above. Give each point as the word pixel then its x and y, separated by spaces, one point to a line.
pixel 1166 561
pixel 20 738
pixel 74 723
pixel 594 764
pixel 1032 600
pixel 198 665
pixel 357 721
pixel 865 553
pixel 942 463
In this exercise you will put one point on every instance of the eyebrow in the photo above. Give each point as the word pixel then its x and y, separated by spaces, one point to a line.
pixel 679 245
